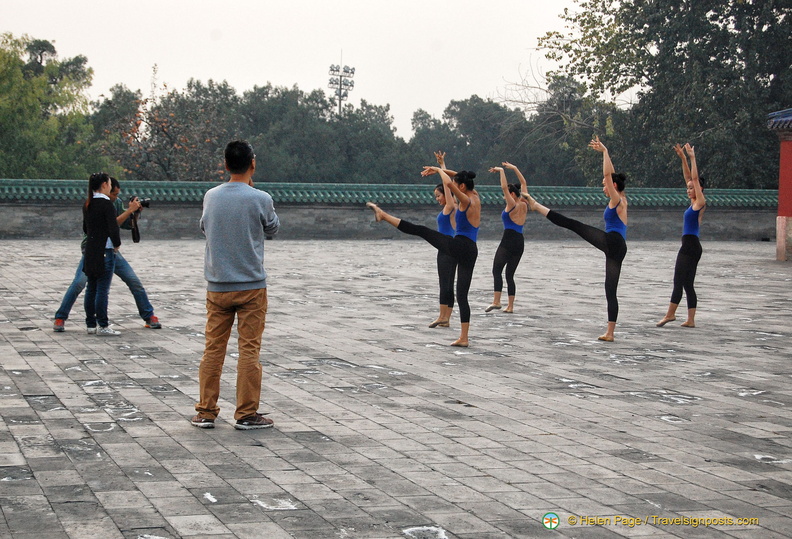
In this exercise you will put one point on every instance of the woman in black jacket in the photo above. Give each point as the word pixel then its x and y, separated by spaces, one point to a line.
pixel 99 223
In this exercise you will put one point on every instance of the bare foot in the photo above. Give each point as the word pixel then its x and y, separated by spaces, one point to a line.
pixel 439 323
pixel 507 310
pixel 664 321
pixel 688 324
pixel 606 338
pixel 376 210
pixel 460 342
pixel 531 201
pixel 492 307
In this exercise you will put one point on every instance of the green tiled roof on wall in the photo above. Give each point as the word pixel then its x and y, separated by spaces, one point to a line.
pixel 54 191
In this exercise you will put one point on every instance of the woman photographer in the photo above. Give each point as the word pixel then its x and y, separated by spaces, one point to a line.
pixel 101 227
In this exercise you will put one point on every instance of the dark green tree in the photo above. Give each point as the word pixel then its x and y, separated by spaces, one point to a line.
pixel 482 125
pixel 370 150
pixel 43 129
pixel 475 133
pixel 292 134
pixel 707 72
pixel 431 135
pixel 178 136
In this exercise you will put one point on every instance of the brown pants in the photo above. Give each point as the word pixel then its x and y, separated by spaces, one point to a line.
pixel 250 309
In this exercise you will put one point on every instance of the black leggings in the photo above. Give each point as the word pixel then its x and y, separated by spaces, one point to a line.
pixel 446 271
pixel 461 249
pixel 685 270
pixel 508 256
pixel 610 243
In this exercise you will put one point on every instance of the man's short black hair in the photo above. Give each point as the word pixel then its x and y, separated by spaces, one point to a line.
pixel 239 156
pixel 114 183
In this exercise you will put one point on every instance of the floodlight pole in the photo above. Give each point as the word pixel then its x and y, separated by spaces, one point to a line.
pixel 341 82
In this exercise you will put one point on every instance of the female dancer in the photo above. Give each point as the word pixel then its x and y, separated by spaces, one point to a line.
pixel 612 241
pixel 461 247
pixel 690 252
pixel 512 243
pixel 446 264
pixel 101 227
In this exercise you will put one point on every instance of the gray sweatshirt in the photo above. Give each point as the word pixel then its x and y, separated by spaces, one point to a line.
pixel 236 220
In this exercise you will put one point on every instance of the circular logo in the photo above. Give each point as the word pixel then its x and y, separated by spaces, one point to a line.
pixel 550 521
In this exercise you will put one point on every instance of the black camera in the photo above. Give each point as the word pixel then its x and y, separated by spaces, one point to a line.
pixel 144 202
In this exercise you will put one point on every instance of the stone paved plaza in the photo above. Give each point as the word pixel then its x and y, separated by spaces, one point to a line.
pixel 384 431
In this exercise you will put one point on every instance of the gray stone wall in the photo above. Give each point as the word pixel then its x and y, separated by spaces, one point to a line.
pixel 349 222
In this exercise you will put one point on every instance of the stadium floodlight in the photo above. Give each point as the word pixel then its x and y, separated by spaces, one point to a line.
pixel 341 83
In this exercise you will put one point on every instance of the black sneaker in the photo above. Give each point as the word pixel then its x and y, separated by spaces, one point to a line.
pixel 202 422
pixel 255 421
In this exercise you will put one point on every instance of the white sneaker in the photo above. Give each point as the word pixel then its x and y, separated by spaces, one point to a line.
pixel 91 331
pixel 107 332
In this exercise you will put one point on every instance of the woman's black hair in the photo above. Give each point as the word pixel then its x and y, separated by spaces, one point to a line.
pixel 514 188
pixel 465 177
pixel 619 181
pixel 439 187
pixel 94 183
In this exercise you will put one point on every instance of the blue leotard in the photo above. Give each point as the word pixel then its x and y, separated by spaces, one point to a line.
pixel 444 224
pixel 613 222
pixel 690 222
pixel 464 228
pixel 508 224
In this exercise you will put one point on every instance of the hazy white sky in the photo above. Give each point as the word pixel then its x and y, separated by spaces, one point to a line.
pixel 410 54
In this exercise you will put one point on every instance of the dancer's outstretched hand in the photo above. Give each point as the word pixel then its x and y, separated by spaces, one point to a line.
pixel 429 170
pixel 496 169
pixel 679 151
pixel 440 156
pixel 595 144
pixel 506 164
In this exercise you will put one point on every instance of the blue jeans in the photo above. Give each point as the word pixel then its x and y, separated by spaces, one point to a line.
pixel 124 272
pixel 97 293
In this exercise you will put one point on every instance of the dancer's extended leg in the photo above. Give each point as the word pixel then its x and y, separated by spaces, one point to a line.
pixel 462 249
pixel 610 243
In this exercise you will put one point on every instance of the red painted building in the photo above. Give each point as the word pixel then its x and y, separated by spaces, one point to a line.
pixel 781 123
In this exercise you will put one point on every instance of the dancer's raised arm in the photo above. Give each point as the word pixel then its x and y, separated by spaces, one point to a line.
pixel 685 168
pixel 428 171
pixel 464 199
pixel 510 203
pixel 607 171
pixel 699 202
pixel 450 205
pixel 523 183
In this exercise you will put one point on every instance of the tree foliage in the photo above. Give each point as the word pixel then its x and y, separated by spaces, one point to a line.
pixel 176 136
pixel 44 132
pixel 560 125
pixel 704 71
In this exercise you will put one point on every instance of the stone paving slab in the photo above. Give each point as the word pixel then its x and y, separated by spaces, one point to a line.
pixel 382 429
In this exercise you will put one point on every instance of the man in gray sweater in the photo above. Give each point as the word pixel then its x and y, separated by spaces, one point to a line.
pixel 236 220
